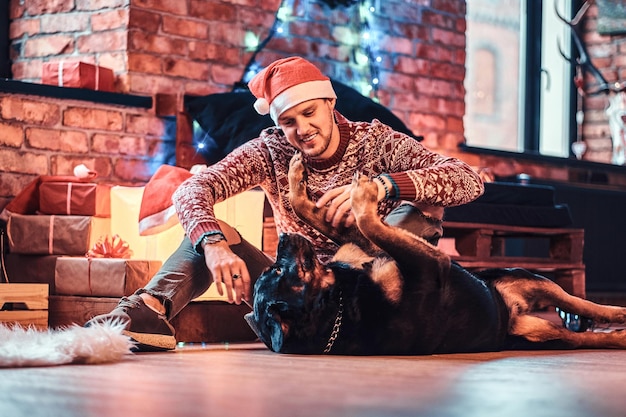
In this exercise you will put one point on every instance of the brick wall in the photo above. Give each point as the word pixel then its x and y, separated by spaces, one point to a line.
pixel 199 47
pixel 608 54
pixel 44 136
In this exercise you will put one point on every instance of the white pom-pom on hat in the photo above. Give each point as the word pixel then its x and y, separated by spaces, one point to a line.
pixel 262 106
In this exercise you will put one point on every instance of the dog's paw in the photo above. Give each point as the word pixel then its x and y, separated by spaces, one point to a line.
pixel 363 196
pixel 297 175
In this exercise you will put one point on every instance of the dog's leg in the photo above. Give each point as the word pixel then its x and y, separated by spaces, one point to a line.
pixel 539 330
pixel 314 216
pixel 528 292
pixel 404 247
pixel 524 292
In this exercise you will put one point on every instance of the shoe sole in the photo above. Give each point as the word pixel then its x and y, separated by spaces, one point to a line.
pixel 146 341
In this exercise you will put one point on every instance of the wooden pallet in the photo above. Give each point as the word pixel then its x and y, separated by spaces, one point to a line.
pixel 481 246
pixel 24 305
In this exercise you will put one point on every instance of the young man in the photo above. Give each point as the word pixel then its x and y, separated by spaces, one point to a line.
pixel 414 185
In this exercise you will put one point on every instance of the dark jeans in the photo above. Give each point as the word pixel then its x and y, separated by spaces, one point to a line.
pixel 185 276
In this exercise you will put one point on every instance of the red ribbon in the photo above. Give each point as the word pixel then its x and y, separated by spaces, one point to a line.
pixel 110 247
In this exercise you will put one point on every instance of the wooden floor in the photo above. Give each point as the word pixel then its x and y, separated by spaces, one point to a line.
pixel 248 380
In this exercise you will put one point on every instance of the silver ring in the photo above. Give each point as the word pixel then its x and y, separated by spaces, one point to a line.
pixel 236 276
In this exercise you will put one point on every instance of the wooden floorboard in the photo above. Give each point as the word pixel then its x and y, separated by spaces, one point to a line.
pixel 248 380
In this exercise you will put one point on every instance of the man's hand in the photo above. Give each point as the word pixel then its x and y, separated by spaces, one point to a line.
pixel 228 269
pixel 337 202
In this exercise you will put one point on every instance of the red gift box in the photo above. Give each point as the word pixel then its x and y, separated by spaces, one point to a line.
pixel 78 74
pixel 75 198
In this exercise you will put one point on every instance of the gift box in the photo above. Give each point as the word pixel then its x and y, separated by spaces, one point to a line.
pixel 75 198
pixel 54 235
pixel 34 269
pixel 102 277
pixel 78 74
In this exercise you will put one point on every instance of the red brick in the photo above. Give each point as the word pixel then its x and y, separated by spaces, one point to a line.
pixel 252 18
pixel 423 122
pixel 12 183
pixel 227 34
pixel 145 20
pixel 169 6
pixel 213 12
pixel 185 68
pixel 100 4
pixel 115 61
pixel 102 42
pixel 396 45
pixel 57 140
pixel 16 10
pixel 145 63
pixel 122 145
pixel 448 37
pixel 146 42
pixel 66 22
pixel 185 27
pixel 21 27
pixel 145 125
pixel 206 51
pixel 133 170
pixel 203 88
pixel 105 143
pixel 27 70
pixel 115 19
pixel 455 124
pixel 13 108
pixel 64 165
pixel 11 135
pixel 89 118
pixel 436 18
pixel 143 84
pixel 23 162
pixel 48 45
pixel 224 75
pixel 38 7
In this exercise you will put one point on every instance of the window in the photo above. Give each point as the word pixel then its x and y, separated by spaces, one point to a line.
pixel 517 83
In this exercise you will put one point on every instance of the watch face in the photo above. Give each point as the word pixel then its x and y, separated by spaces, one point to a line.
pixel 210 239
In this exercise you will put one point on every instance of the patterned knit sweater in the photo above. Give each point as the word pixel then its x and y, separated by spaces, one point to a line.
pixel 370 148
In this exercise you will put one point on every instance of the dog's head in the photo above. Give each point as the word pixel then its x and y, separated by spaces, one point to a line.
pixel 288 296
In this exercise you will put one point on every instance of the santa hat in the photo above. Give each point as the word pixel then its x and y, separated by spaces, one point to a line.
pixel 286 83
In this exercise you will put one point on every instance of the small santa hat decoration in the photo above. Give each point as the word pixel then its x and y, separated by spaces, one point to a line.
pixel 286 83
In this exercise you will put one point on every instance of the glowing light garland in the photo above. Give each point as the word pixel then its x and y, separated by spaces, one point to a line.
pixel 365 55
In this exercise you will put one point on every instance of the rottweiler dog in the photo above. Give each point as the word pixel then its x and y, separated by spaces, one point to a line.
pixel 389 292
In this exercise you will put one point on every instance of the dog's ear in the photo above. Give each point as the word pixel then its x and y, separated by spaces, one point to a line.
pixel 279 328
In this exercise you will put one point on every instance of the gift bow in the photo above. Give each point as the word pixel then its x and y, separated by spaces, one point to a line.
pixel 110 247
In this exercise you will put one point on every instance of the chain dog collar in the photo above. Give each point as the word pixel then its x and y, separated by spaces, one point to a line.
pixel 335 333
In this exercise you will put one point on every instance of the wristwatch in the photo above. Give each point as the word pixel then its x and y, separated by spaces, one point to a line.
pixel 211 239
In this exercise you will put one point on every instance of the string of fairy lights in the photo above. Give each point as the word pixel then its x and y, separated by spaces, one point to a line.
pixel 360 34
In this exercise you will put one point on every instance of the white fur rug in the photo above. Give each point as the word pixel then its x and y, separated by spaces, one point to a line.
pixel 88 345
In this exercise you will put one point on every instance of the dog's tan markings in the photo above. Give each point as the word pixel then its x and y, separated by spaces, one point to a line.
pixel 385 272
pixel 352 255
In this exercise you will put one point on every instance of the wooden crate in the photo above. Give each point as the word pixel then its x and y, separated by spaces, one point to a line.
pixel 482 246
pixel 24 305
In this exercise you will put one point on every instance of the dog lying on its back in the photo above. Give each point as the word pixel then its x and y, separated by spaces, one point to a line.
pixel 389 292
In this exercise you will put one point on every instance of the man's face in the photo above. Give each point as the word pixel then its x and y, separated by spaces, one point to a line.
pixel 310 127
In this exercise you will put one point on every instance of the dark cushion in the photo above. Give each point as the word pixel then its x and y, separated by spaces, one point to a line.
pixel 513 204
pixel 227 120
